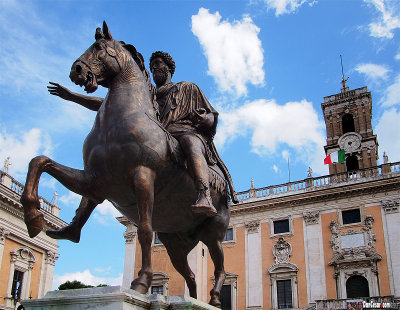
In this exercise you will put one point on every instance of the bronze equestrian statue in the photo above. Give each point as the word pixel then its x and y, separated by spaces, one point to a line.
pixel 133 159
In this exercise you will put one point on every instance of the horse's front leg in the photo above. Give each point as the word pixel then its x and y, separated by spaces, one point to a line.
pixel 143 181
pixel 75 180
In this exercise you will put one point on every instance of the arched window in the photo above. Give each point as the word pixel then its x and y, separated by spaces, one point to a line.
pixel 352 163
pixel 348 123
pixel 357 286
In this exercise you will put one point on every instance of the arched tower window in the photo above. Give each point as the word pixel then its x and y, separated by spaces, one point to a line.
pixel 348 123
pixel 357 286
pixel 352 163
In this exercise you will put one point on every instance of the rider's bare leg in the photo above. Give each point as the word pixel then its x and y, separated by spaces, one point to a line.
pixel 194 151
pixel 72 232
pixel 78 181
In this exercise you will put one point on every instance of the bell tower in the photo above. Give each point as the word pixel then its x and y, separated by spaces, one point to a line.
pixel 348 127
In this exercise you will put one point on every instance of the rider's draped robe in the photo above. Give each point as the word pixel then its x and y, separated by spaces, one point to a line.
pixel 176 102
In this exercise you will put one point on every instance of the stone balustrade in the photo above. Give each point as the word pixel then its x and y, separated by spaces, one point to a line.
pixel 346 94
pixel 9 182
pixel 310 184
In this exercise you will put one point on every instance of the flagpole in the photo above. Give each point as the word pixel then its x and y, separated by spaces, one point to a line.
pixel 288 165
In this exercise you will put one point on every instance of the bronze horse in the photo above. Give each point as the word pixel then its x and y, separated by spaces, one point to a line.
pixel 127 160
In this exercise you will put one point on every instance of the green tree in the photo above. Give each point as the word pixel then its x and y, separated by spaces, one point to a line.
pixel 71 285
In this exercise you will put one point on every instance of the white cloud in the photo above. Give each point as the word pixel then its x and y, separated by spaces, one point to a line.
pixel 35 50
pixel 275 129
pixel 388 132
pixel 72 199
pixel 286 6
pixel 233 50
pixel 388 21
pixel 21 149
pixel 373 72
pixel 392 94
pixel 106 213
pixel 275 168
pixel 85 277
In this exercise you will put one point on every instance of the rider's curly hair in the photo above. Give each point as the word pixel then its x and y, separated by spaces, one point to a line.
pixel 167 59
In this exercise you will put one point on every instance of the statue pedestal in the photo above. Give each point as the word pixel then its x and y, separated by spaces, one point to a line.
pixel 111 298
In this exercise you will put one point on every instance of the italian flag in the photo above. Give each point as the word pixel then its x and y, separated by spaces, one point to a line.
pixel 335 157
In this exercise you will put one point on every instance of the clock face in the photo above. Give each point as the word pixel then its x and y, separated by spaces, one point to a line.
pixel 350 142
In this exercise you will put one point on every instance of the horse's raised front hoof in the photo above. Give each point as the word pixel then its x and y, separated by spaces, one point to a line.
pixel 142 283
pixel 35 223
pixel 69 232
pixel 214 301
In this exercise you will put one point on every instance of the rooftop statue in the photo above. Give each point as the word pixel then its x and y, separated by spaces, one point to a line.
pixel 150 152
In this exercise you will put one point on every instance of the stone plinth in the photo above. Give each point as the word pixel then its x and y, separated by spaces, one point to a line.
pixel 111 298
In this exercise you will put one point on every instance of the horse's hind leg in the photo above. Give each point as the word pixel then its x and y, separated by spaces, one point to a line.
pixel 178 249
pixel 212 237
pixel 143 182
pixel 75 180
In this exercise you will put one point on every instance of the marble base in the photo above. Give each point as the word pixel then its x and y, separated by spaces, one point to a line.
pixel 111 298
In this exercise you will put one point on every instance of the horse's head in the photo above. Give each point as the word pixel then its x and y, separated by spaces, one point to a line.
pixel 103 61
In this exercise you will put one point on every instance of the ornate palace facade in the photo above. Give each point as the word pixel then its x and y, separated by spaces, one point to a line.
pixel 26 265
pixel 314 243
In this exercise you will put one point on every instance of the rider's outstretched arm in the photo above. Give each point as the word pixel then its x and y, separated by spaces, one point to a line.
pixel 91 103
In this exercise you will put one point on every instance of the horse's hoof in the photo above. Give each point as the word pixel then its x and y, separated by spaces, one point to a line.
pixel 68 233
pixel 35 224
pixel 139 287
pixel 215 302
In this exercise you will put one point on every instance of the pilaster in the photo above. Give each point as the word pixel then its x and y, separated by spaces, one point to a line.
pixel 130 249
pixel 254 288
pixel 315 269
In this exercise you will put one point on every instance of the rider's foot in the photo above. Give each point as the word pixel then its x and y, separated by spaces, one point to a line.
pixel 204 204
pixel 71 232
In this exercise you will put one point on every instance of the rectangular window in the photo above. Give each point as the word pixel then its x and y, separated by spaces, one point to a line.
pixel 228 235
pixel 226 297
pixel 157 289
pixel 281 226
pixel 156 240
pixel 17 284
pixel 351 216
pixel 284 293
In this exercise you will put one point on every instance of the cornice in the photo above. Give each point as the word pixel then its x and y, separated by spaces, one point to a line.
pixel 14 207
pixel 317 196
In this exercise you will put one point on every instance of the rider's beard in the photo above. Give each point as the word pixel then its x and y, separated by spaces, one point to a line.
pixel 160 76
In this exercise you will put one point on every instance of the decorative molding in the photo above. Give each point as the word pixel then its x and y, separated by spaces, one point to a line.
pixel 391 206
pixel 130 236
pixel 51 257
pixel 3 234
pixel 252 227
pixel 352 256
pixel 282 251
pixel 311 218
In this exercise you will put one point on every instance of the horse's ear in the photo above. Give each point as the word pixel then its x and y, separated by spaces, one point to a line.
pixel 106 31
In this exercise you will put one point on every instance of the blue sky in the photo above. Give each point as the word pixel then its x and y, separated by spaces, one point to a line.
pixel 265 65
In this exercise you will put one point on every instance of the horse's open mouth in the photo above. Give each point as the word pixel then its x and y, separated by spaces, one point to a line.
pixel 90 83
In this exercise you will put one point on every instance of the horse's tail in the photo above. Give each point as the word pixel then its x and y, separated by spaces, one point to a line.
pixel 226 173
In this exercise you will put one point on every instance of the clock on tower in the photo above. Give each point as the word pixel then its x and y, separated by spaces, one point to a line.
pixel 348 127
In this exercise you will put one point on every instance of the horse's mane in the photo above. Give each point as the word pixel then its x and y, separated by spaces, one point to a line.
pixel 138 57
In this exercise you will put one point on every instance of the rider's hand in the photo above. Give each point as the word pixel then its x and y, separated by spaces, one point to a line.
pixel 59 90
pixel 201 118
